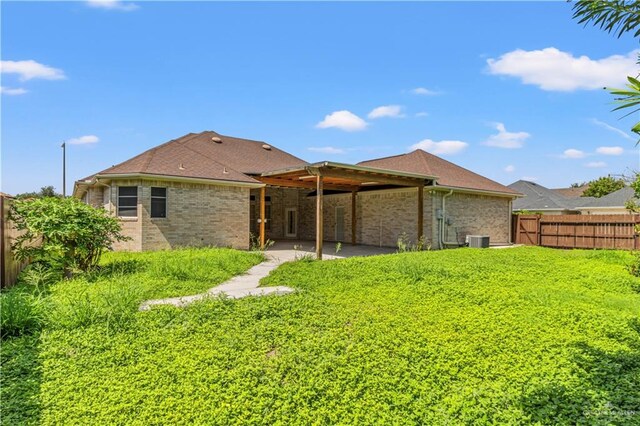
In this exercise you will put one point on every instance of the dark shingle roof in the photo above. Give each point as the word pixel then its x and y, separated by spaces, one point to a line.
pixel 540 198
pixel 199 156
pixel 615 199
pixel 447 173
pixel 537 197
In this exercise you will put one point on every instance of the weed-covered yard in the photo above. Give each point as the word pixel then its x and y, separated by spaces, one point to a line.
pixel 462 336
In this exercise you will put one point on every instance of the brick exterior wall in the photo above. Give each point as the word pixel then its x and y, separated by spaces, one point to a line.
pixel 197 215
pixel 471 214
pixel 281 199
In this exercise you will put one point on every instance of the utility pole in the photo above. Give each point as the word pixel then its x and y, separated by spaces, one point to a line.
pixel 64 169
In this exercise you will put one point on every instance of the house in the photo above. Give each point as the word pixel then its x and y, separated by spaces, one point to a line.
pixel 614 203
pixel 539 199
pixel 209 189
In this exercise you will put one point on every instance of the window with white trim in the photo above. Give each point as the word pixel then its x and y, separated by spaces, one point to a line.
pixel 128 201
pixel 158 202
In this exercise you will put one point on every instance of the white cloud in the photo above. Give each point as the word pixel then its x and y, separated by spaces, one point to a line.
pixel 610 150
pixel 112 5
pixel 529 178
pixel 394 111
pixel 596 164
pixel 573 153
pixel 510 169
pixel 31 69
pixel 440 148
pixel 424 91
pixel 343 120
pixel 12 92
pixel 553 69
pixel 327 150
pixel 505 139
pixel 83 140
pixel 422 114
pixel 611 128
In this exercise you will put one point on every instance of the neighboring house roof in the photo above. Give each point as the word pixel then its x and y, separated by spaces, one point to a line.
pixel 447 173
pixel 537 197
pixel 616 199
pixel 207 155
pixel 572 192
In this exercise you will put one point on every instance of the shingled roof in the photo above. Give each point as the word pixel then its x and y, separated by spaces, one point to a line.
pixel 447 173
pixel 207 155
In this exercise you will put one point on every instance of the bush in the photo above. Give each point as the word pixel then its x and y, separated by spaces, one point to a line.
pixel 20 313
pixel 63 233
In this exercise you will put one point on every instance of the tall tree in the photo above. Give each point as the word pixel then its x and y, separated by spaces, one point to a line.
pixel 618 17
pixel 45 191
pixel 603 186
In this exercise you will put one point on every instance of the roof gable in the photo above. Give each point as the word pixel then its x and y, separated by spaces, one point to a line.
pixel 207 155
pixel 447 173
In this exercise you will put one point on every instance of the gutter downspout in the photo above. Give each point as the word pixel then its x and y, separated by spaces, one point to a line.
pixel 444 243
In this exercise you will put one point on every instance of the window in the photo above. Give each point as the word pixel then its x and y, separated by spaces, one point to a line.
pixel 128 201
pixel 158 202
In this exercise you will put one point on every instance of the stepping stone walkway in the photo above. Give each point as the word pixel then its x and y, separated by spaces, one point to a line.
pixel 235 288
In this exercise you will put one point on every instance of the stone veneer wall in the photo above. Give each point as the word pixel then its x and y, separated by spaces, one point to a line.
pixel 197 215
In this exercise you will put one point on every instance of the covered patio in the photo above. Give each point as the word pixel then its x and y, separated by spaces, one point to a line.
pixel 341 178
pixel 286 250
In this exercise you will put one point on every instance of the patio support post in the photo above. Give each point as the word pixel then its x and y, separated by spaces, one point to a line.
pixel 354 219
pixel 319 233
pixel 420 212
pixel 263 192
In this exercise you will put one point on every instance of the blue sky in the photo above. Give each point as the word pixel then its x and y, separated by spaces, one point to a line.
pixel 508 90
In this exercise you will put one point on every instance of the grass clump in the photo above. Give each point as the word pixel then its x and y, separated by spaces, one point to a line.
pixel 469 336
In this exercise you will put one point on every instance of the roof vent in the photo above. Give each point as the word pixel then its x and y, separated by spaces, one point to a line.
pixel 267 147
pixel 216 139
pixel 181 166
pixel 225 171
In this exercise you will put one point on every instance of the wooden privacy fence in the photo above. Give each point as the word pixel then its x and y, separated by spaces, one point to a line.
pixel 607 231
pixel 9 266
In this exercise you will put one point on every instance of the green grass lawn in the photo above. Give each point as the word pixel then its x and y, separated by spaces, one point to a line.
pixel 468 336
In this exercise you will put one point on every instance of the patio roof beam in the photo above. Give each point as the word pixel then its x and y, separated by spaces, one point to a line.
pixel 361 177
pixel 292 183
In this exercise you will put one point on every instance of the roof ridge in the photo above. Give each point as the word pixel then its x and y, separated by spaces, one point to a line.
pixel 213 159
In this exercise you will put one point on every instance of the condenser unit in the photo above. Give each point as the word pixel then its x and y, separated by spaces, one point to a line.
pixel 478 241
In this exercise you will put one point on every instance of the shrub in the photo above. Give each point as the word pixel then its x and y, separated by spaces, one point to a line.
pixel 63 233
pixel 634 265
pixel 20 313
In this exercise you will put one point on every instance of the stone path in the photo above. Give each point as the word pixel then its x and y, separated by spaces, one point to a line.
pixel 248 283
pixel 235 288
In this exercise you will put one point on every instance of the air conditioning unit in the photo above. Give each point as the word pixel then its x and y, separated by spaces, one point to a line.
pixel 478 241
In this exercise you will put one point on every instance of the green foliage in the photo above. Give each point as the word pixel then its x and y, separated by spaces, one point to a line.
pixel 63 233
pixel 404 244
pixel 618 17
pixel 39 277
pixel 520 336
pixel 45 191
pixel 634 265
pixel 21 313
pixel 254 243
pixel 603 186
pixel 629 98
pixel 612 16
